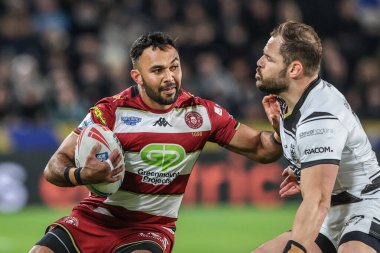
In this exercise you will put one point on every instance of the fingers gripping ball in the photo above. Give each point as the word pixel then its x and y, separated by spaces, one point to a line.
pixel 92 134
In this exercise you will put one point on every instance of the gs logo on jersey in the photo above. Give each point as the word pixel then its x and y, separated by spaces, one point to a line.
pixel 163 155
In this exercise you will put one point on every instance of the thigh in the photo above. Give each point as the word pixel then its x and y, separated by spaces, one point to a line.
pixel 275 245
pixel 362 226
pixel 56 240
pixel 97 232
pixel 359 242
pixel 278 244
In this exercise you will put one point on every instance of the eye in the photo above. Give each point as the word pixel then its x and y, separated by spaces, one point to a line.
pixel 174 68
pixel 157 71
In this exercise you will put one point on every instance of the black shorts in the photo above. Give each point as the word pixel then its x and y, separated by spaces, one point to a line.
pixel 328 247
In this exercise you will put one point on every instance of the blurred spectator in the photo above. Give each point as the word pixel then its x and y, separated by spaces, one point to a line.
pixel 369 16
pixel 65 104
pixel 82 48
pixel 334 66
pixel 288 10
pixel 30 88
pixel 216 83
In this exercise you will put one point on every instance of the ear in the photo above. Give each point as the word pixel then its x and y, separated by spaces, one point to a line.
pixel 136 76
pixel 295 69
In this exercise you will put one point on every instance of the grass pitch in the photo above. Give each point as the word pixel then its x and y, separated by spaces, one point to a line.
pixel 199 229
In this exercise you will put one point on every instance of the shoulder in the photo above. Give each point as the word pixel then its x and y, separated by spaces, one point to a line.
pixel 324 102
pixel 119 99
pixel 187 99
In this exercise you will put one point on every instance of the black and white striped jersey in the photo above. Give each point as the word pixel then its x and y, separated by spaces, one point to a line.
pixel 322 129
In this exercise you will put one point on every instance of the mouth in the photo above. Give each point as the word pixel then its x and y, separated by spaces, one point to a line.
pixel 258 75
pixel 171 89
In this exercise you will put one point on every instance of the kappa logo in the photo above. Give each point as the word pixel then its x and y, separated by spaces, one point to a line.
pixel 162 122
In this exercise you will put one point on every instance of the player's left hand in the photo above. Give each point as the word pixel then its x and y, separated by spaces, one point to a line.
pixel 272 110
pixel 289 185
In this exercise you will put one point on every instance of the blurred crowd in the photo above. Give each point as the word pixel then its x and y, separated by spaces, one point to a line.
pixel 58 57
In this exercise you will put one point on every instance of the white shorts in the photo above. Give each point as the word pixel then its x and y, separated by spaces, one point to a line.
pixel 363 216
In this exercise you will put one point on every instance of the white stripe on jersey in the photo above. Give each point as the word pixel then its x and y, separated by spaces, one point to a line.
pixel 160 205
pixel 176 118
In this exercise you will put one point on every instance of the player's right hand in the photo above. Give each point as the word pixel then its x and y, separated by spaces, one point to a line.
pixel 95 171
pixel 289 185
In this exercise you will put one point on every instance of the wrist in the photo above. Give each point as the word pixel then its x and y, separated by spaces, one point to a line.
pixel 294 247
pixel 276 138
pixel 72 176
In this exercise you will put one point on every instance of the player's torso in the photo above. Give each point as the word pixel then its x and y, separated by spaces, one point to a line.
pixel 323 129
pixel 161 148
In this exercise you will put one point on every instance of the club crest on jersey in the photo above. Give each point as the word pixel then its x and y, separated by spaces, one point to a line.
pixel 194 120
pixel 131 121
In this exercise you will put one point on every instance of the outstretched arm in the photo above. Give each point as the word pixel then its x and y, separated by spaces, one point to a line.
pixel 94 171
pixel 261 146
pixel 256 145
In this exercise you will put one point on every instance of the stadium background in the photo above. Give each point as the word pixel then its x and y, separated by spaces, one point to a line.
pixel 58 57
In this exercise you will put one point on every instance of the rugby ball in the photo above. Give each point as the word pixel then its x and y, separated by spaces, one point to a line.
pixel 90 135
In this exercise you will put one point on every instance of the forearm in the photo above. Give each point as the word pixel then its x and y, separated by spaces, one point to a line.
pixel 261 147
pixel 268 149
pixel 308 221
pixel 54 170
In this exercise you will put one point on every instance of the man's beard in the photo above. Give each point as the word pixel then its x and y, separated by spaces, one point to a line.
pixel 274 85
pixel 156 95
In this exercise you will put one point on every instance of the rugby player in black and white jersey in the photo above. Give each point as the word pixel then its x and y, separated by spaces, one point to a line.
pixel 331 159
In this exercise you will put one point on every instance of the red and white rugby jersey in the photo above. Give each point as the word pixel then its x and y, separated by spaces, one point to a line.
pixel 161 148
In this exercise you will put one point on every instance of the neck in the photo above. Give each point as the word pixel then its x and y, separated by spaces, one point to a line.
pixel 295 91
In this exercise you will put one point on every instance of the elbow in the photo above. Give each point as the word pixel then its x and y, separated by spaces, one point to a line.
pixel 47 174
pixel 271 157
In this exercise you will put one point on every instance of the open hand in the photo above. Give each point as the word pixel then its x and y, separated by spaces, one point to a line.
pixel 289 185
pixel 272 110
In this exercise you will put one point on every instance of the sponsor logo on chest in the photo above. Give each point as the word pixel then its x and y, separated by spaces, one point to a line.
pixel 318 150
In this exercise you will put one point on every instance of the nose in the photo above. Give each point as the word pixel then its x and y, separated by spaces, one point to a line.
pixel 260 61
pixel 169 76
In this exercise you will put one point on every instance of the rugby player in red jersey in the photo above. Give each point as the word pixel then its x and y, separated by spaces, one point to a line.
pixel 162 129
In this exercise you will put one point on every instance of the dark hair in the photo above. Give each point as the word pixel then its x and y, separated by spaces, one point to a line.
pixel 300 42
pixel 155 40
